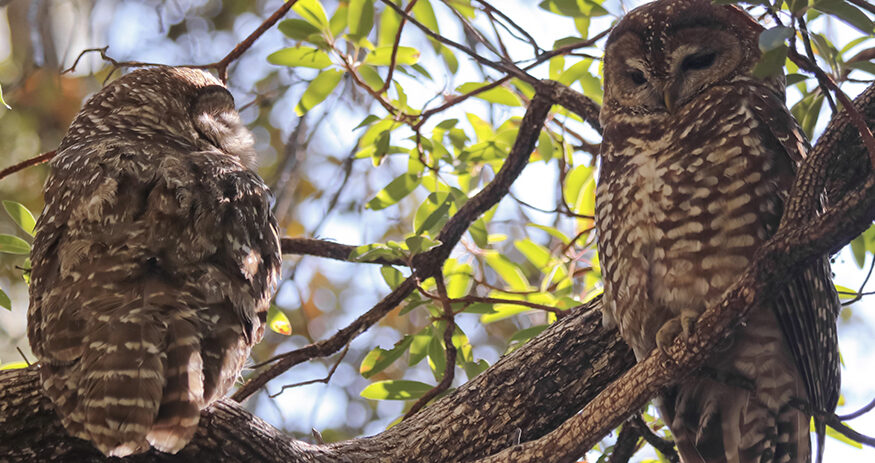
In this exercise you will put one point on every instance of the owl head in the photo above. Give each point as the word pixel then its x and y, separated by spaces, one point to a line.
pixel 164 105
pixel 664 54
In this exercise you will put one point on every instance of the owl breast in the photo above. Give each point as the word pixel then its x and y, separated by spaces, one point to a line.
pixel 678 226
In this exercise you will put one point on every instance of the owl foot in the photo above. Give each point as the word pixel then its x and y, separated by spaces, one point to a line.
pixel 683 324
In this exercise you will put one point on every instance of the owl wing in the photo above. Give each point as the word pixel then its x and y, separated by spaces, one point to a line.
pixel 808 305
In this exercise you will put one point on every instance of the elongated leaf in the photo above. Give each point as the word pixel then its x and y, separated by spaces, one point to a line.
pixel 13 365
pixel 360 18
pixel 382 56
pixel 298 29
pixel 847 13
pixel 10 244
pixel 499 95
pixel 378 359
pixel 278 321
pixel 5 302
pixel 398 389
pixel 313 12
pixel 21 215
pixel 394 192
pixel 307 57
pixel 392 276
pixel 318 90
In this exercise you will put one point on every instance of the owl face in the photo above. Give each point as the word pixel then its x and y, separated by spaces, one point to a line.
pixel 666 53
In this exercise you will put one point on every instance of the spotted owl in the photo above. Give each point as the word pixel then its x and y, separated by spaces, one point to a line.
pixel 154 261
pixel 697 160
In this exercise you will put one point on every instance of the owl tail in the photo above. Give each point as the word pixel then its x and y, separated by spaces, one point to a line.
pixel 183 396
pixel 122 374
pixel 716 422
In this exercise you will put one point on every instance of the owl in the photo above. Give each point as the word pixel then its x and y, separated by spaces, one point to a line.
pixel 154 261
pixel 697 160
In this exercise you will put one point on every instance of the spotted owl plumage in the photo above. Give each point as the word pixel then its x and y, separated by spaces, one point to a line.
pixel 697 159
pixel 154 261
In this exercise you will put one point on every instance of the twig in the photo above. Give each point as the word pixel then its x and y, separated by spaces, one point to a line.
pixel 866 409
pixel 330 250
pixel 450 366
pixel 626 445
pixel 26 163
pixel 845 430
pixel 312 381
pixel 665 447
pixel 395 47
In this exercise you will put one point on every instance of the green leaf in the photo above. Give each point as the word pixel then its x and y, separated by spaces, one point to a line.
pixel 360 18
pixel 424 13
pixel 367 121
pixel 395 389
pixel 845 293
pixel 555 233
pixel 3 102
pixel 278 321
pixel 318 90
pixel 847 13
pixel 449 59
pixel 458 278
pixel 5 302
pixel 479 233
pixel 313 12
pixel 21 215
pixel 378 359
pixel 574 181
pixel 10 244
pixel 498 95
pixel 14 365
pixel 524 335
pixel 773 38
pixel 437 357
pixel 307 57
pixel 392 276
pixel 418 244
pixel 858 249
pixel 771 63
pixel 389 22
pixel 298 29
pixel 545 146
pixel 508 271
pixel 433 213
pixel 370 252
pixel 393 192
pixel 538 255
pixel 419 346
pixel 382 56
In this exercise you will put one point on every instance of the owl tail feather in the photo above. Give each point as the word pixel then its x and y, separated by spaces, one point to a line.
pixel 121 382
pixel 183 396
pixel 718 423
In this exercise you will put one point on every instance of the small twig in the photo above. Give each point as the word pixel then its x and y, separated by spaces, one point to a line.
pixel 450 367
pixel 26 163
pixel 313 381
pixel 392 61
pixel 866 409
pixel 23 357
pixel 860 293
pixel 809 51
pixel 626 445
pixel 663 446
pixel 221 66
pixel 834 422
pixel 330 250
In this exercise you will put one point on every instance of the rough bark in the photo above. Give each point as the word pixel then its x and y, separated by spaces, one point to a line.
pixel 522 397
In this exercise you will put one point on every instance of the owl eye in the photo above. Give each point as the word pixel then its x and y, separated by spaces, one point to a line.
pixel 698 61
pixel 637 77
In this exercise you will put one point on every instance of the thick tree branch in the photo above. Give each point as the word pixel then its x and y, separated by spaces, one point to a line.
pixel 560 370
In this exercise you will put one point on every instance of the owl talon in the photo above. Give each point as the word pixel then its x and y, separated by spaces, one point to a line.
pixel 684 324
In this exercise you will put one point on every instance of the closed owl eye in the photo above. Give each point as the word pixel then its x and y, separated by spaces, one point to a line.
pixel 698 61
pixel 637 77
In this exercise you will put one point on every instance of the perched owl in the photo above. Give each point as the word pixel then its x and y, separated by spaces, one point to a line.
pixel 154 261
pixel 696 163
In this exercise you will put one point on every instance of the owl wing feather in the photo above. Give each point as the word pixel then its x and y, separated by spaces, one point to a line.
pixel 807 306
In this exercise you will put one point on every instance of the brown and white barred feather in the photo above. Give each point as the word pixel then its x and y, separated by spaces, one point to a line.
pixel 153 262
pixel 697 159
